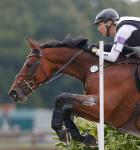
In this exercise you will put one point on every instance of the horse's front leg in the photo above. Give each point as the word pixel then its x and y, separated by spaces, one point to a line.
pixel 61 116
pixel 68 104
pixel 57 120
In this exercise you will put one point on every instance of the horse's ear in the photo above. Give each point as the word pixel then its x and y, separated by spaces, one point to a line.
pixel 32 44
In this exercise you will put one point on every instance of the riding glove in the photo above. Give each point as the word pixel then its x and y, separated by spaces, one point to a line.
pixel 94 50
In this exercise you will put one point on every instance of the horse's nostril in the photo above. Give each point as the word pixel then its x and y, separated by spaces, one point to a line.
pixel 13 94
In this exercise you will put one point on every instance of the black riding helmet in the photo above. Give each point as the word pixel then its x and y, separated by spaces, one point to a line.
pixel 105 15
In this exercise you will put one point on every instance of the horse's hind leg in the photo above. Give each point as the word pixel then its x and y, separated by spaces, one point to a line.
pixel 64 105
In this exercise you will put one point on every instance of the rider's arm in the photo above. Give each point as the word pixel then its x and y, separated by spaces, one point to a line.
pixel 110 56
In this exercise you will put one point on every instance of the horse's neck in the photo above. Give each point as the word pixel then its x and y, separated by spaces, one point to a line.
pixel 78 68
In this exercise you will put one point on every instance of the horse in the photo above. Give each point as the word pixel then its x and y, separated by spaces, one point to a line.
pixel 121 100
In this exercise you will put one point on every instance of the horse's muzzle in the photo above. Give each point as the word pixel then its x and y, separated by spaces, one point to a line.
pixel 17 95
pixel 14 95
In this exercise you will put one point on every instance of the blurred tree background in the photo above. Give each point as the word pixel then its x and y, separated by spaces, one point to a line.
pixel 44 20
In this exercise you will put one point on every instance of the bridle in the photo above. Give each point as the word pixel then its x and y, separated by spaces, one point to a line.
pixel 30 85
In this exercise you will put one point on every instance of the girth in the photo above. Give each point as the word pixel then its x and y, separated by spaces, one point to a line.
pixel 137 77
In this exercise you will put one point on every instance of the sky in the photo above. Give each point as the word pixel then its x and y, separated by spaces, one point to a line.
pixel 131 1
pixel 134 0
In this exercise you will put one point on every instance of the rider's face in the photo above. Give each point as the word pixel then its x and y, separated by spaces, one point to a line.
pixel 102 28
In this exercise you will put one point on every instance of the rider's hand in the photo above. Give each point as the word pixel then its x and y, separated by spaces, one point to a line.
pixel 94 50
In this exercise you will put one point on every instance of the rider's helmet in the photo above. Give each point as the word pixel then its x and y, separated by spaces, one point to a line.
pixel 105 15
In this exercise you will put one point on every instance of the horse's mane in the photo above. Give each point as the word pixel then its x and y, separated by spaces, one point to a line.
pixel 82 43
pixel 79 42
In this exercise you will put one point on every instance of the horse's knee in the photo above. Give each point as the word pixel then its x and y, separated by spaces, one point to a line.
pixel 62 99
pixel 61 96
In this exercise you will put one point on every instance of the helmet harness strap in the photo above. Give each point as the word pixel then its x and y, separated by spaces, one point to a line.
pixel 108 28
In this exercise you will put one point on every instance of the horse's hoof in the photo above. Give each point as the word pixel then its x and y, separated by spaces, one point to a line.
pixel 89 140
pixel 64 135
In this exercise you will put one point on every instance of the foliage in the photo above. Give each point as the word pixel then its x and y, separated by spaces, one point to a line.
pixel 114 139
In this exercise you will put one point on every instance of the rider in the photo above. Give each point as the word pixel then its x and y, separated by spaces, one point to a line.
pixel 125 30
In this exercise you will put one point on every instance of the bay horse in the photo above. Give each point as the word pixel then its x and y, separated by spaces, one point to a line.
pixel 122 97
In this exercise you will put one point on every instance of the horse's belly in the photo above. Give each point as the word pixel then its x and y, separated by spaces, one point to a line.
pixel 121 114
pixel 132 126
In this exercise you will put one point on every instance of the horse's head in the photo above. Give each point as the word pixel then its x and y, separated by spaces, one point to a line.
pixel 32 74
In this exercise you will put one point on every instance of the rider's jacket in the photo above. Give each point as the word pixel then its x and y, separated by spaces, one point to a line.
pixel 127 33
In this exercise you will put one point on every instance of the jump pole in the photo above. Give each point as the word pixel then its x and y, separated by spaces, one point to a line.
pixel 101 96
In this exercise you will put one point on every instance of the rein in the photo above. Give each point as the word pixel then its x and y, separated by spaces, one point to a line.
pixel 56 75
